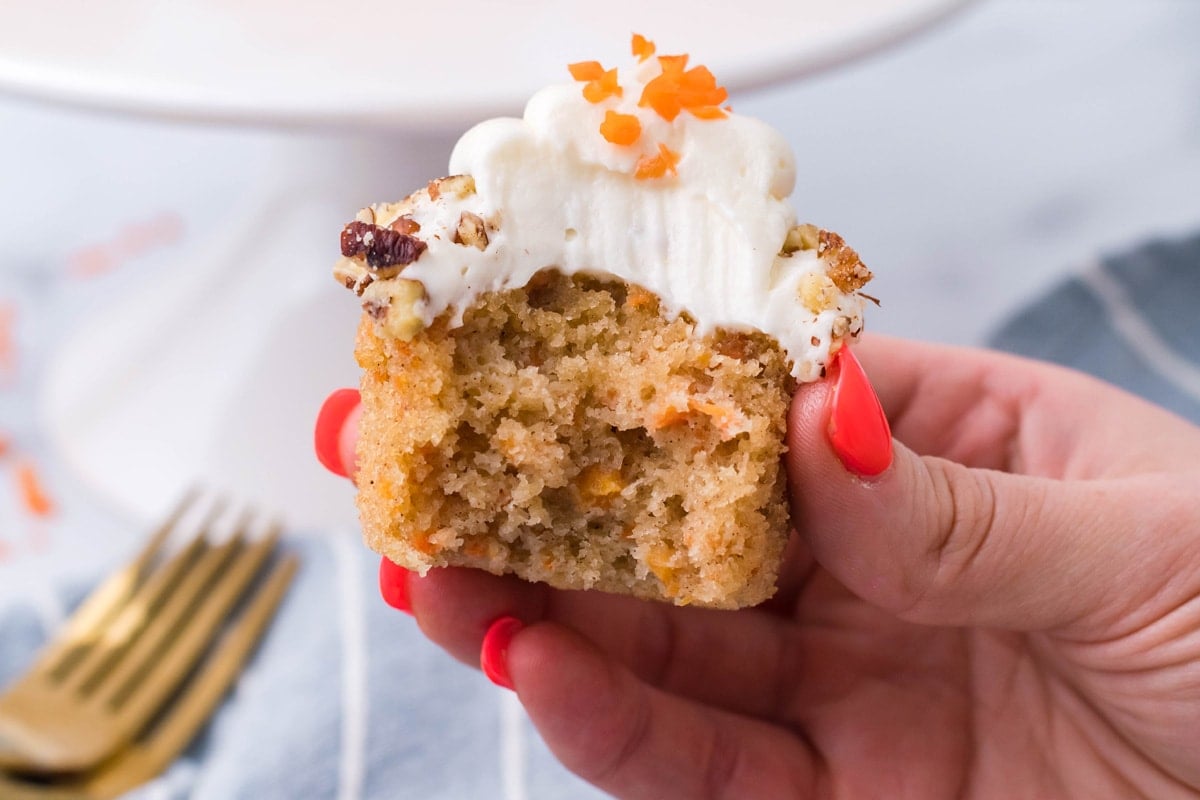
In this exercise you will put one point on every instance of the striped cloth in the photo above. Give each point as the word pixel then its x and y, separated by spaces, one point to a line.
pixel 346 699
pixel 1132 319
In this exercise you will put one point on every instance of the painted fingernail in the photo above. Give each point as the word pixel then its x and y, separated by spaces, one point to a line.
pixel 330 421
pixel 493 656
pixel 858 428
pixel 393 585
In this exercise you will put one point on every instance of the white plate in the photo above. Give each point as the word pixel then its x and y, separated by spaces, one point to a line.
pixel 402 64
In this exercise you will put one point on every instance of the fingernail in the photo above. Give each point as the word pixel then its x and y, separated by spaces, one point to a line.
pixel 393 585
pixel 330 421
pixel 493 656
pixel 858 428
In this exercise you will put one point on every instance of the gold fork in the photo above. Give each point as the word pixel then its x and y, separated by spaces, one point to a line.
pixel 125 652
pixel 157 747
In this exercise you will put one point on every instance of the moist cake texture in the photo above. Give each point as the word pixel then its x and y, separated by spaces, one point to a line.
pixel 546 396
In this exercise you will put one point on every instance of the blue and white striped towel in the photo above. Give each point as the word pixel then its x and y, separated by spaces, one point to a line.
pixel 347 700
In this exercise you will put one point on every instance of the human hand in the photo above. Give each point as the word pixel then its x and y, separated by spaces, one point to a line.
pixel 1009 608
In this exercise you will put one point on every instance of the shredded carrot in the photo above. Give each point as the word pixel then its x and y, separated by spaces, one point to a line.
pixel 586 70
pixel 5 445
pixel 642 47
pixel 638 297
pixel 622 129
pixel 422 541
pixel 729 421
pixel 676 89
pixel 657 166
pixel 708 112
pixel 666 416
pixel 603 87
pixel 33 494
pixel 475 548
pixel 673 65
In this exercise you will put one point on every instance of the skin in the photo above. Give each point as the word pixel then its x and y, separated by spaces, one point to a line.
pixel 1011 609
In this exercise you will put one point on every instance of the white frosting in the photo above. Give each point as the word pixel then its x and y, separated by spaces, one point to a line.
pixel 557 194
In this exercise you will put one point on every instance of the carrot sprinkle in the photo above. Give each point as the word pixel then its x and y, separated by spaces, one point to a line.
pixel 33 494
pixel 673 65
pixel 586 70
pixel 622 129
pixel 642 47
pixel 603 87
pixel 5 445
pixel 656 166
pixel 708 112
pixel 678 88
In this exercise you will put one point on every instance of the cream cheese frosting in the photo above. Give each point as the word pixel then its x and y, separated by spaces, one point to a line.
pixel 709 240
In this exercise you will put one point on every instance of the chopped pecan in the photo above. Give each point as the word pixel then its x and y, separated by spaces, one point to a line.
pixel 459 186
pixel 393 306
pixel 801 237
pixel 383 248
pixel 471 231
pixel 353 275
pixel 845 268
pixel 405 224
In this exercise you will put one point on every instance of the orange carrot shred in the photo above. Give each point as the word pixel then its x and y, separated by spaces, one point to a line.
pixel 586 70
pixel 657 166
pixel 33 494
pixel 5 445
pixel 673 65
pixel 642 47
pixel 603 87
pixel 708 112
pixel 622 129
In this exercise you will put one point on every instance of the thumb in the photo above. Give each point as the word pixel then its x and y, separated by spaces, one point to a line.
pixel 940 543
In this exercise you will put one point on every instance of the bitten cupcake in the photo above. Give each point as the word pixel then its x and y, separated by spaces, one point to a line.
pixel 579 349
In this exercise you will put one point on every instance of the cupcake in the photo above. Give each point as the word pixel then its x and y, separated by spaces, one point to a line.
pixel 579 349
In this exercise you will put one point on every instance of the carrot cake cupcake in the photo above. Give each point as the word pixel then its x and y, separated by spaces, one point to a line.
pixel 579 349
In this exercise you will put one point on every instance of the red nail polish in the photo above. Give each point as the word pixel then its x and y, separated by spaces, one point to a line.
pixel 330 421
pixel 393 585
pixel 858 428
pixel 493 656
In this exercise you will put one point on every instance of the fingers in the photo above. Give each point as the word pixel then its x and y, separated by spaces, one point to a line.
pixel 996 411
pixel 635 741
pixel 937 542
pixel 745 661
pixel 336 432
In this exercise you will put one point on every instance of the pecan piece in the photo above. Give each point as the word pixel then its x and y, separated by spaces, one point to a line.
pixel 801 237
pixel 471 231
pixel 845 268
pixel 383 248
pixel 405 224
pixel 393 306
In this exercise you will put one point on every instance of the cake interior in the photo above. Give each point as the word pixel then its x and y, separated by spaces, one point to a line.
pixel 570 432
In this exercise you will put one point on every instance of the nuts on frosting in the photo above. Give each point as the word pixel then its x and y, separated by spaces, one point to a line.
pixel 386 250
pixel 653 138
pixel 845 267
pixel 458 186
pixel 818 292
pixel 392 304
pixel 471 231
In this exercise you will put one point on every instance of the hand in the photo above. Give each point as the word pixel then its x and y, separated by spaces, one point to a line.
pixel 1009 608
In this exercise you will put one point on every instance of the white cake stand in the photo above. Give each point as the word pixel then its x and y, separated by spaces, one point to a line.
pixel 214 375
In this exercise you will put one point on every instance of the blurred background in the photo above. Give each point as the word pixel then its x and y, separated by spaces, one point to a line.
pixel 166 309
